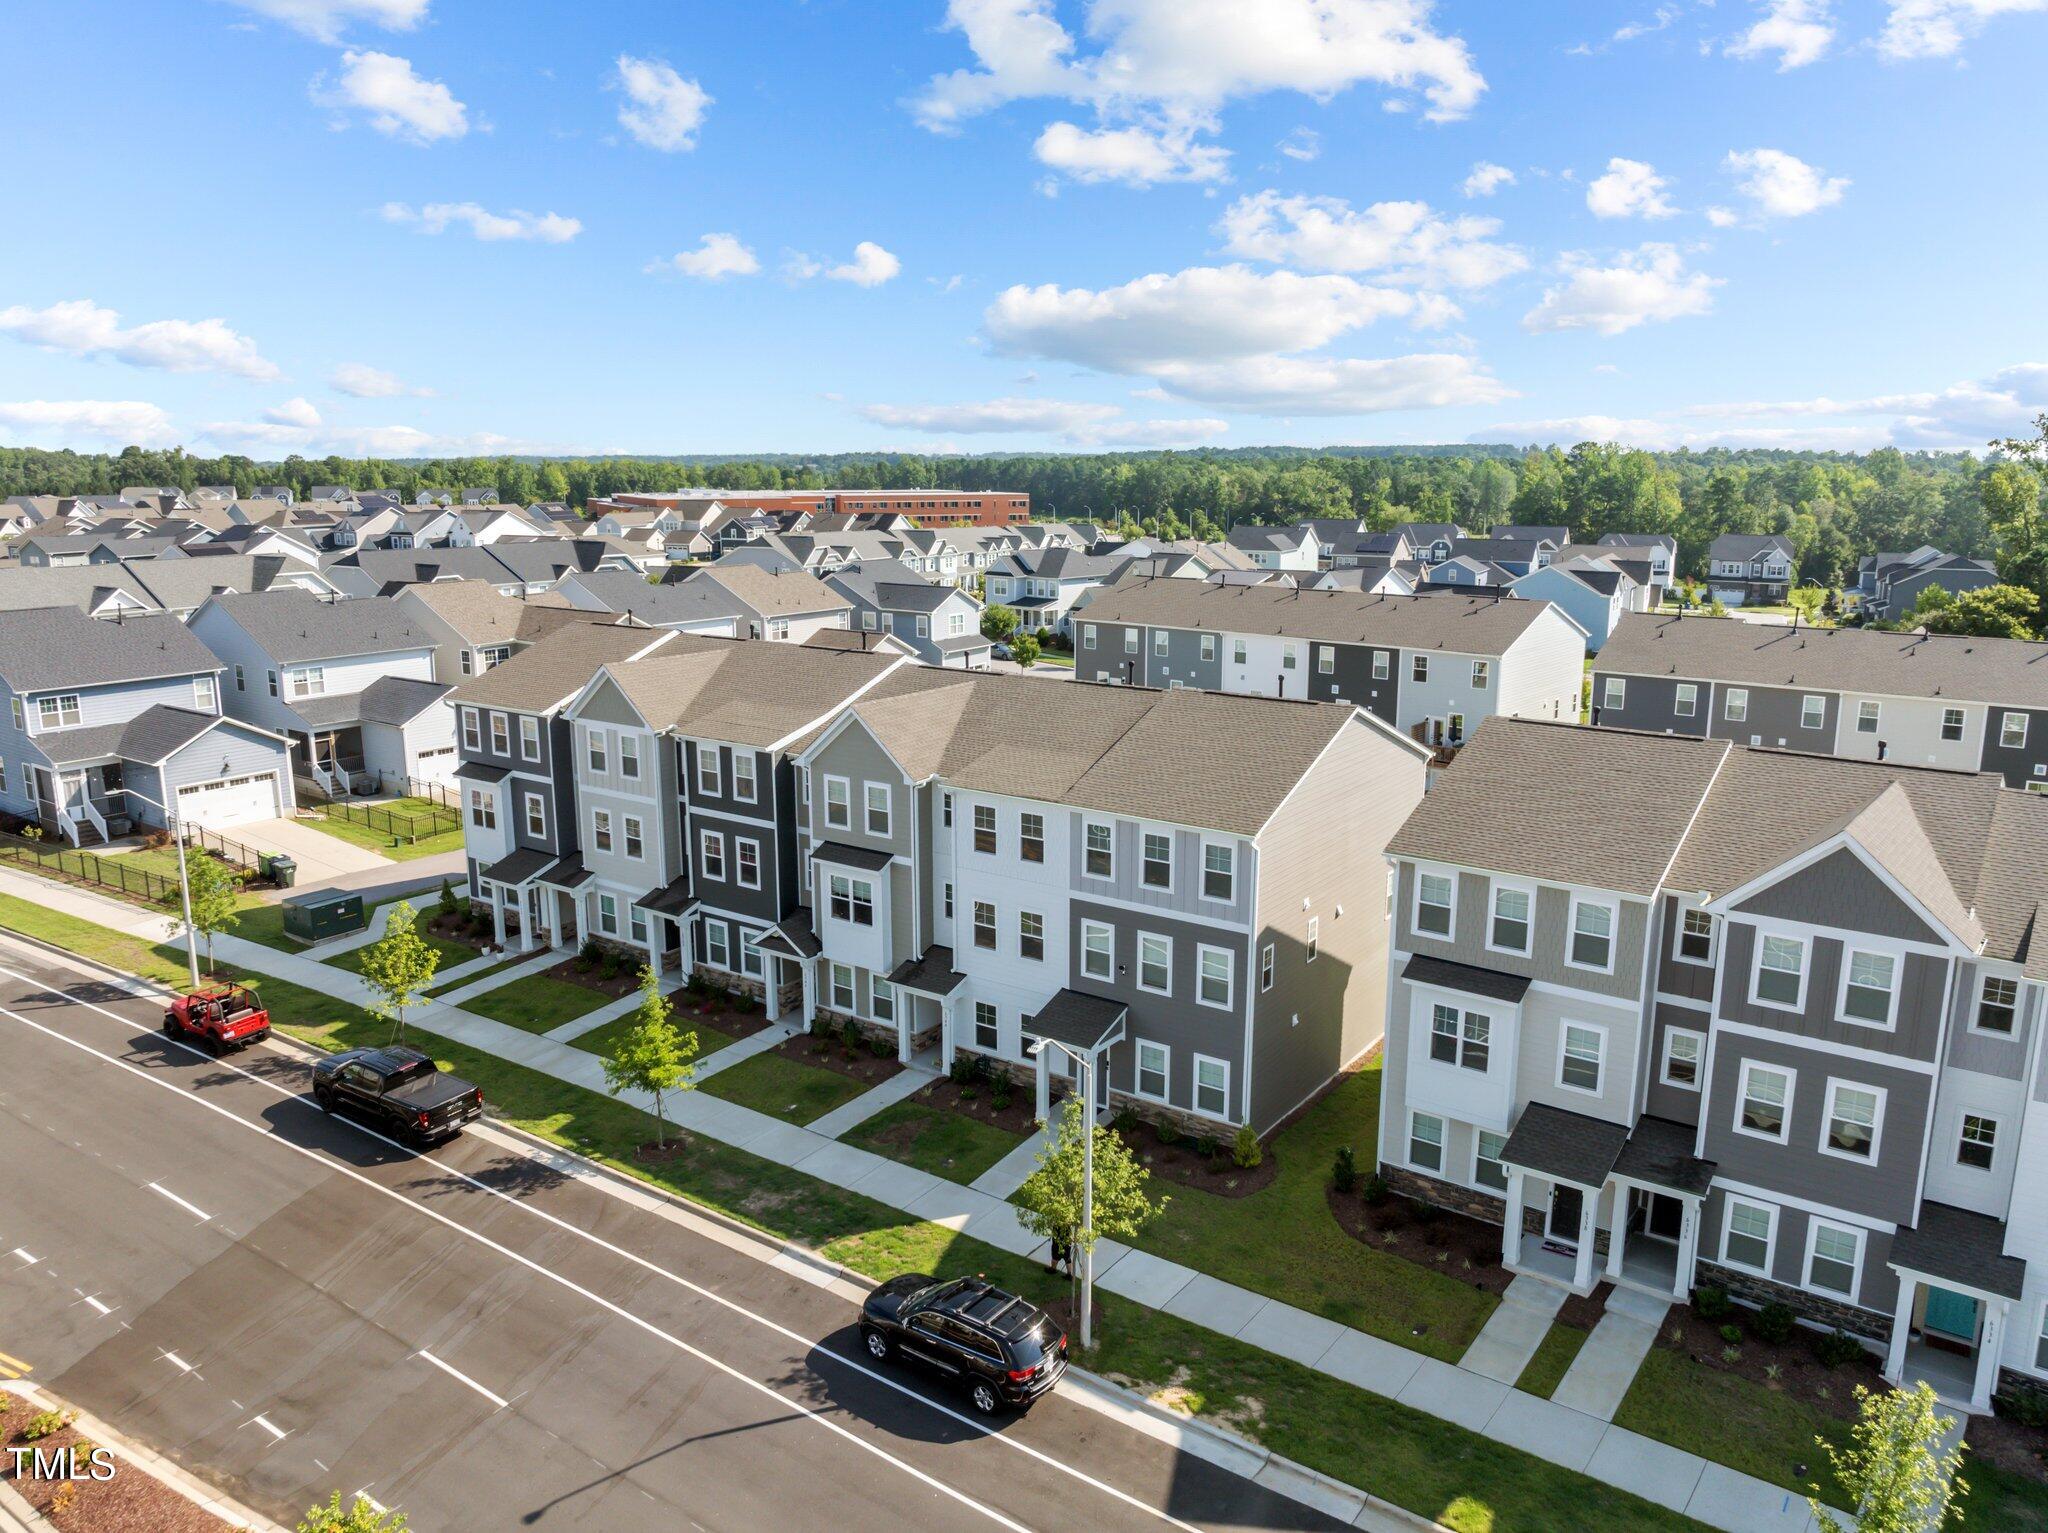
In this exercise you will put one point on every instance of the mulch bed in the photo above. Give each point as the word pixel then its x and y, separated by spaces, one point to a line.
pixel 455 928
pixel 833 1054
pixel 1583 1313
pixel 1466 1249
pixel 1020 1117
pixel 625 982
pixel 131 1502
pixel 1185 1166
pixel 648 1153
pixel 1799 1373
pixel 714 1012
pixel 2005 1444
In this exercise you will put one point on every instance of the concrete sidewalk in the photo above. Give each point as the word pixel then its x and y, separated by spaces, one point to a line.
pixel 1600 1375
pixel 1514 1330
pixel 1710 1493
pixel 904 1083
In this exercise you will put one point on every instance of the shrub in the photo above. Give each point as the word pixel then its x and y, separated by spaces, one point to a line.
pixel 1731 1355
pixel 590 955
pixel 446 904
pixel 1168 1131
pixel 881 1047
pixel 1344 1173
pixel 1206 1146
pixel 1124 1121
pixel 609 969
pixel 965 1069
pixel 746 1003
pixel 43 1423
pixel 2025 1406
pixel 1731 1333
pixel 999 1092
pixel 696 986
pixel 1423 1212
pixel 1244 1149
pixel 969 1092
pixel 1711 1303
pixel 821 1027
pixel 1375 1190
pixel 1837 1349
pixel 1775 1324
pixel 849 1033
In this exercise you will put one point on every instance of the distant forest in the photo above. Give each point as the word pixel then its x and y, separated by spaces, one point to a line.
pixel 1834 506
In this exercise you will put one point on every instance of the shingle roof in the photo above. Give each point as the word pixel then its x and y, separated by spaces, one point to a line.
pixel 477 612
pixel 1659 1151
pixel 1553 1142
pixel 773 593
pixel 1748 545
pixel 1962 1247
pixel 742 691
pixel 298 626
pixel 555 669
pixel 1960 667
pixel 398 700
pixel 1474 625
pixel 670 603
pixel 1491 983
pixel 46 647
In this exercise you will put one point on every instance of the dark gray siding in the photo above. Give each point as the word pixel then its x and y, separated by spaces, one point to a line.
pixel 1773 719
pixel 1921 985
pixel 1987 1053
pixel 723 801
pixel 1351 680
pixel 1108 661
pixel 1183 660
pixel 1547 941
pixel 1651 703
pixel 1878 1288
pixel 2019 766
pixel 727 893
pixel 1841 889
pixel 1694 981
pixel 1674 1102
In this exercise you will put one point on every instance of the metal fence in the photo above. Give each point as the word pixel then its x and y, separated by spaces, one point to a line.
pixel 229 850
pixel 398 824
pixel 55 860
pixel 414 787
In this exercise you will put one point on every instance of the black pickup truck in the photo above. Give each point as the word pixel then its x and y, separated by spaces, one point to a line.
pixel 398 1089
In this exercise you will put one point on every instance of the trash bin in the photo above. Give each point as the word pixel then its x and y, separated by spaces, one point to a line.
pixel 284 871
pixel 319 914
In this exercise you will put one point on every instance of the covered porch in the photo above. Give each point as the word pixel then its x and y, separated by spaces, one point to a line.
pixel 1090 1025
pixel 1659 1188
pixel 1957 1288
pixel 789 948
pixel 924 988
pixel 1558 1165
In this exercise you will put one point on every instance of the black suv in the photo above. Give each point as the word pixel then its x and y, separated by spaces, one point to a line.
pixel 1005 1351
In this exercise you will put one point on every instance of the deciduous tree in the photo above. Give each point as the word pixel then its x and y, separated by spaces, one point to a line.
pixel 399 966
pixel 1895 1472
pixel 1050 1201
pixel 213 898
pixel 653 1055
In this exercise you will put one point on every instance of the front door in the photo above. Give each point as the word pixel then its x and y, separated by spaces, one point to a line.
pixel 1950 1316
pixel 1667 1216
pixel 1567 1204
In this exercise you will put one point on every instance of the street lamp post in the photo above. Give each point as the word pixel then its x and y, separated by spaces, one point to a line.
pixel 1086 1065
pixel 184 885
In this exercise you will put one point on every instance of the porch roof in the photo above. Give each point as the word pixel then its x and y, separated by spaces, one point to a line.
pixel 931 974
pixel 1490 983
pixel 1565 1146
pixel 520 868
pixel 671 899
pixel 482 771
pixel 567 873
pixel 1083 1022
pixel 1954 1245
pixel 868 861
pixel 792 936
pixel 1659 1152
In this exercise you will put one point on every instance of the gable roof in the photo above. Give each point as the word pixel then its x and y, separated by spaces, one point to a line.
pixel 47 647
pixel 554 669
pixel 1748 545
pixel 772 593
pixel 298 626
pixel 746 692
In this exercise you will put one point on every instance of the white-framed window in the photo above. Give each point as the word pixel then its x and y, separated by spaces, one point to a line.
pixel 1312 940
pixel 1747 1235
pixel 1159 643
pixel 1592 936
pixel 1030 935
pixel 608 915
pixel 1155 963
pixel 708 775
pixel 472 734
pixel 1130 641
pixel 1998 1004
pixel 985 828
pixel 876 795
pixel 272 677
pixel 1087 636
pixel 1382 664
pixel 746 854
pixel 1426 1141
pixel 309 681
pixel 987 1027
pixel 58 711
pixel 1153 1062
pixel 1513 912
pixel 745 786
pixel 1854 1121
pixel 1685 702
pixel 1763 1105
pixel 536 815
pixel 1098 950
pixel 1435 904
pixel 1780 976
pixel 501 735
pixel 1326 659
pixel 949 899
pixel 205 693
pixel 1031 835
pixel 483 809
pixel 867 620
pixel 1208 647
pixel 1684 1050
pixel 1266 967
pixel 1460 1037
pixel 601 829
pixel 1868 714
pixel 1418 668
pixel 529 737
pixel 1237 652
pixel 1951 723
pixel 1488 1169
pixel 1155 860
pixel 1870 987
pixel 1212 1086
pixel 1290 657
pixel 946 810
pixel 1614 694
pixel 1813 711
pixel 1977 1142
pixel 751 961
pixel 851 899
pixel 1694 942
pixel 1481 672
pixel 629 755
pixel 599 760
pixel 1834 1257
pixel 636 924
pixel 241 685
pixel 1580 1048
pixel 2012 731
pixel 985 924
pixel 2041 1343
pixel 711 854
pixel 881 1000
pixel 1215 976
pixel 842 987
pixel 1098 840
pixel 838 803
pixel 1735 707
pixel 1219 870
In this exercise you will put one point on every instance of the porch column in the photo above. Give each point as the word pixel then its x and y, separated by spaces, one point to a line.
pixel 906 1008
pixel 653 940
pixel 1990 1343
pixel 1044 1085
pixel 1688 1246
pixel 1589 1221
pixel 1902 1323
pixel 810 983
pixel 1511 1224
pixel 498 913
pixel 1617 1230
pixel 772 1001
pixel 529 920
pixel 946 1036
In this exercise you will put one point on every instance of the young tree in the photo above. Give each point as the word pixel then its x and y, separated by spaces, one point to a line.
pixel 653 1055
pixel 213 898
pixel 1896 1475
pixel 997 622
pixel 1024 650
pixel 1806 602
pixel 1049 1203
pixel 399 966
pixel 1991 612
pixel 361 1517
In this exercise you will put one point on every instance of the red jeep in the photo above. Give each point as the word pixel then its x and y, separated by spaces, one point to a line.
pixel 221 1018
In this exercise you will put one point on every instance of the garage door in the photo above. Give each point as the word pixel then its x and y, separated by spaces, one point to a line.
pixel 229 801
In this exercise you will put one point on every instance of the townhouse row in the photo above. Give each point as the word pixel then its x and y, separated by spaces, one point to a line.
pixel 954 859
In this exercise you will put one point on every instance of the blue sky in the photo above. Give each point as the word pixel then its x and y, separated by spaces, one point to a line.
pixel 418 226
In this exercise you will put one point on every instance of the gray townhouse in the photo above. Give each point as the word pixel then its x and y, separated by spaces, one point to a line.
pixel 1740 1017
pixel 1890 583
pixel 1150 882
pixel 1043 586
pixel 1749 568
pixel 1432 665
pixel 474 627
pixel 1277 548
pixel 941 624
pixel 1941 700
pixel 107 723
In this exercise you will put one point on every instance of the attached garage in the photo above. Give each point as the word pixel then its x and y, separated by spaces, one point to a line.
pixel 225 802
pixel 213 771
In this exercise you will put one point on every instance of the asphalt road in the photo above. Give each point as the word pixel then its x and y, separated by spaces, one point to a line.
pixel 288 1305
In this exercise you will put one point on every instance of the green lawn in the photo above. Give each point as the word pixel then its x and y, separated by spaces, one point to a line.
pixel 783 1088
pixel 1554 1355
pixel 599 1040
pixel 537 1003
pixel 1417 1461
pixel 379 841
pixel 1283 1242
pixel 2003 1500
pixel 452 953
pixel 1732 1421
pixel 933 1139
pixel 510 959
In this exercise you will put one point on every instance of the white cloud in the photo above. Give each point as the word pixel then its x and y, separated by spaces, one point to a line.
pixel 716 257
pixel 871 266
pixel 1798 31
pixel 1723 218
pixel 84 329
pixel 1654 435
pixel 57 423
pixel 324 20
pixel 293 412
pixel 1783 185
pixel 397 101
pixel 1133 156
pixel 1402 241
pixel 1630 189
pixel 1937 29
pixel 1486 179
pixel 1648 283
pixel 394 441
pixel 1072 421
pixel 662 110
pixel 1963 415
pixel 1302 144
pixel 437 217
pixel 1338 386
pixel 359 380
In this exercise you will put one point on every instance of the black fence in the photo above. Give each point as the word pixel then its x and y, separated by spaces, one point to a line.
pixel 398 824
pixel 228 850
pixel 53 859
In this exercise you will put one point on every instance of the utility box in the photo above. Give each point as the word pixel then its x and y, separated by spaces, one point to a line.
pixel 319 914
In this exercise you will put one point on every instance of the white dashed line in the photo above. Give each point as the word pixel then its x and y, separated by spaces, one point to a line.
pixel 177 1362
pixel 101 1308
pixel 31 1260
pixel 498 1400
pixel 268 1425
pixel 193 1209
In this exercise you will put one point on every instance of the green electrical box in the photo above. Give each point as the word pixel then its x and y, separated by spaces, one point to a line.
pixel 320 914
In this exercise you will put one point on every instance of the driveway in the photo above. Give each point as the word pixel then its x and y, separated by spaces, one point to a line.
pixel 319 855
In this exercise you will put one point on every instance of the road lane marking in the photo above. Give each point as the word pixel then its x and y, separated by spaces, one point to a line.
pixel 276 1433
pixel 177 1362
pixel 30 1260
pixel 455 1373
pixel 13 1367
pixel 852 1363
pixel 95 1303
pixel 335 1167
pixel 196 1212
